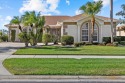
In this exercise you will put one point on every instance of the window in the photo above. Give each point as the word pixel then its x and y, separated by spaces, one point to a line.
pixel 85 32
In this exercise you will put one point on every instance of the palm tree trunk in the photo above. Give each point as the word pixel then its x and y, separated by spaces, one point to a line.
pixel 92 31
pixel 111 17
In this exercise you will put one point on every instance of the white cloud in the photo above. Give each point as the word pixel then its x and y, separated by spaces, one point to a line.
pixel 68 2
pixel 8 18
pixel 77 12
pixel 45 6
pixel 105 2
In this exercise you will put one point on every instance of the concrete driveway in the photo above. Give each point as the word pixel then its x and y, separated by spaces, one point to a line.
pixel 6 49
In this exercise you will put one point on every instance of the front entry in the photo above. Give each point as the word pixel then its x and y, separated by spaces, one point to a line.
pixel 86 32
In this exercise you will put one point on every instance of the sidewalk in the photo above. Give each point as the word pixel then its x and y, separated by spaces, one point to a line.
pixel 65 56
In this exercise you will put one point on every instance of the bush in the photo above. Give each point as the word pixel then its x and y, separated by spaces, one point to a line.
pixel 88 43
pixel 122 42
pixel 122 38
pixel 54 39
pixel 4 38
pixel 95 43
pixel 46 38
pixel 117 39
pixel 82 43
pixel 106 39
pixel 109 44
pixel 115 43
pixel 77 44
pixel 67 40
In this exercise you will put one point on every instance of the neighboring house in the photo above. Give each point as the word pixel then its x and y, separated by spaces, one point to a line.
pixel 120 30
pixel 78 26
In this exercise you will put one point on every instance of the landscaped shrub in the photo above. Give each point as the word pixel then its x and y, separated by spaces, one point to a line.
pixel 54 39
pixel 13 33
pixel 117 39
pixel 122 42
pixel 95 43
pixel 107 39
pixel 122 38
pixel 4 38
pixel 115 43
pixel 67 40
pixel 88 43
pixel 109 44
pixel 82 43
pixel 77 44
pixel 46 38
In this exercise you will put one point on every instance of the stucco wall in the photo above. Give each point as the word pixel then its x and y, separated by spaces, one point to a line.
pixel 72 31
pixel 106 31
pixel 120 33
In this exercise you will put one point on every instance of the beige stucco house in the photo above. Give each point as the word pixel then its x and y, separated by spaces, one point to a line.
pixel 78 26
pixel 120 30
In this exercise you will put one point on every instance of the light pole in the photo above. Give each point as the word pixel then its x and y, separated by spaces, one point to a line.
pixel 111 17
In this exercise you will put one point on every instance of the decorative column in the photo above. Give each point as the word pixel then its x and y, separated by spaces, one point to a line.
pixel 79 36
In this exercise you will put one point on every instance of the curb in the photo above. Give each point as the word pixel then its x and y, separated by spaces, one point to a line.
pixel 61 77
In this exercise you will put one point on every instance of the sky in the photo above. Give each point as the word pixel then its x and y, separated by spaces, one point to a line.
pixel 10 8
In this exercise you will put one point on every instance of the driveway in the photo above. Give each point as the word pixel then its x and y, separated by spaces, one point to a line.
pixel 6 49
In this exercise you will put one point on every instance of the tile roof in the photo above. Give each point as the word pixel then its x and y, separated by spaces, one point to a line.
pixel 52 20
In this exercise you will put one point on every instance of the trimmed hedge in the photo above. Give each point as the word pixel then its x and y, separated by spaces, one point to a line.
pixel 79 44
pixel 116 39
pixel 67 40
pixel 122 42
pixel 106 40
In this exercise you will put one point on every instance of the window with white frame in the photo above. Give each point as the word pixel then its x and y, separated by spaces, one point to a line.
pixel 85 32
pixel 95 35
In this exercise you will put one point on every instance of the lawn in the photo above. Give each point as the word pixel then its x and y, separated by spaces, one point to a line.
pixel 84 50
pixel 92 67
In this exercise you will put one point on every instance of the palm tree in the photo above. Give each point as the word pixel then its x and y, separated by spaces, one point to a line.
pixel 91 9
pixel 34 21
pixel 17 20
pixel 111 17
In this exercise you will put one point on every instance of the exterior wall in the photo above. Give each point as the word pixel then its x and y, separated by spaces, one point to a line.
pixel 106 31
pixel 120 33
pixel 72 31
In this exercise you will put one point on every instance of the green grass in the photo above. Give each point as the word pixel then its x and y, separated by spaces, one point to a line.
pixel 85 50
pixel 92 67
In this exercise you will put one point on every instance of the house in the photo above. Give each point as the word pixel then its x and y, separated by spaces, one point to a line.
pixel 78 26
pixel 120 30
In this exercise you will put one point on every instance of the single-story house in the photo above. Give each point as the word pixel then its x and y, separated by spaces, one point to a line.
pixel 78 26
pixel 120 30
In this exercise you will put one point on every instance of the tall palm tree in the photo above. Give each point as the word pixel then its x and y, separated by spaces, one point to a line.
pixel 91 9
pixel 17 20
pixel 111 17
pixel 35 21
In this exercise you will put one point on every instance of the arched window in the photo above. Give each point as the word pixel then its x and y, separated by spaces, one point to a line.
pixel 85 32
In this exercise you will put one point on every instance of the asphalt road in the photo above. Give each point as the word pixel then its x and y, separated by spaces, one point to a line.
pixel 64 81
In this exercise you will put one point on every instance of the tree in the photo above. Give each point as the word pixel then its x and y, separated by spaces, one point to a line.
pixel 122 12
pixel 111 17
pixel 36 22
pixel 18 21
pixel 91 9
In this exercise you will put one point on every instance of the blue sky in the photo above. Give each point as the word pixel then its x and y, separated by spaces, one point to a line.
pixel 10 8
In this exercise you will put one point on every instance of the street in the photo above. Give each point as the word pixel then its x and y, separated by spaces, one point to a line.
pixel 64 81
